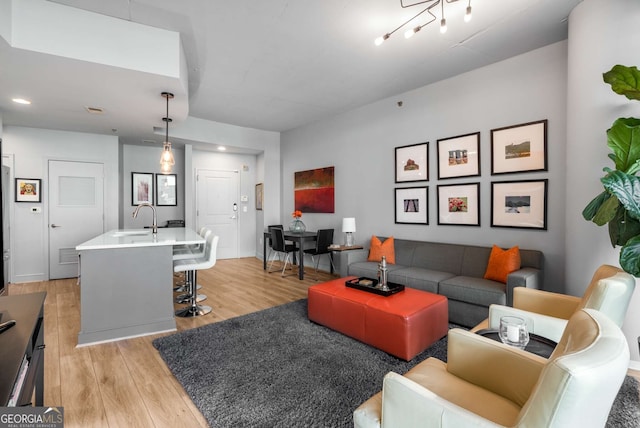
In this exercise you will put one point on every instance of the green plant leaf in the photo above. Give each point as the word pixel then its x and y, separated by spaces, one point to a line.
pixel 622 227
pixel 623 138
pixel 607 211
pixel 630 257
pixel 589 212
pixel 624 81
pixel 626 188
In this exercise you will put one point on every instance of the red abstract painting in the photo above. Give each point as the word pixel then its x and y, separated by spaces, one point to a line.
pixel 314 191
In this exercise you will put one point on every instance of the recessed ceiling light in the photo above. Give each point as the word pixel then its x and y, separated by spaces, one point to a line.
pixel 222 148
pixel 21 101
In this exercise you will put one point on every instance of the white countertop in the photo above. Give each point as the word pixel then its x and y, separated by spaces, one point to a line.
pixel 129 238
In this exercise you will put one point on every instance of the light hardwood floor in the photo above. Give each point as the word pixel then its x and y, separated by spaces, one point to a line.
pixel 126 383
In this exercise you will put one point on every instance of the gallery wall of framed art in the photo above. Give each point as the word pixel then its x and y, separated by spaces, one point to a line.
pixel 514 149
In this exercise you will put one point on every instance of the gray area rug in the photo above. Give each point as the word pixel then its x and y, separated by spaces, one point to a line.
pixel 275 368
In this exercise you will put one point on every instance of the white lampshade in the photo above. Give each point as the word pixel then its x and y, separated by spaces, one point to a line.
pixel 348 224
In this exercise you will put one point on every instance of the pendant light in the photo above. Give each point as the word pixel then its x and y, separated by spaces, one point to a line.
pixel 166 160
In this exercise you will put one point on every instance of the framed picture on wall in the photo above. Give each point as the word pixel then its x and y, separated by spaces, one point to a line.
pixel 141 187
pixel 459 156
pixel 521 204
pixel 412 163
pixel 166 189
pixel 28 190
pixel 459 204
pixel 519 148
pixel 412 205
pixel 259 196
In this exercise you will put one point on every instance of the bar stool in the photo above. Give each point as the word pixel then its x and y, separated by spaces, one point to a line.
pixel 182 252
pixel 191 267
pixel 196 253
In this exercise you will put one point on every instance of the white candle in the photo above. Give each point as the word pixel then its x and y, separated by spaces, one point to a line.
pixel 513 333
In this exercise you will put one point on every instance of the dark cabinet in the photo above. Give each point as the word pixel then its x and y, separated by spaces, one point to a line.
pixel 22 350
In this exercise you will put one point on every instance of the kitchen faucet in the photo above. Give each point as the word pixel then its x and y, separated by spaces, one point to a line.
pixel 154 227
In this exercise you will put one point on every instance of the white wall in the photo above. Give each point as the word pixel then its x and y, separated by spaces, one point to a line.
pixel 147 159
pixel 32 149
pixel 265 145
pixel 360 144
pixel 246 167
pixel 602 33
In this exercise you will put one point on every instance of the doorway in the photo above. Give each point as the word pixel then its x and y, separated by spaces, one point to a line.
pixel 217 195
pixel 76 212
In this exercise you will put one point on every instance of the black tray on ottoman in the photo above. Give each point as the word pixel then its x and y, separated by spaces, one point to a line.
pixel 371 286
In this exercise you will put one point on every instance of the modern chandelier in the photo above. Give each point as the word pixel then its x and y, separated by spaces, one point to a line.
pixel 166 160
pixel 430 4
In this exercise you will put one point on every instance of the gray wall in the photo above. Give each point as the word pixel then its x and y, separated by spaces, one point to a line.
pixel 360 144
pixel 147 159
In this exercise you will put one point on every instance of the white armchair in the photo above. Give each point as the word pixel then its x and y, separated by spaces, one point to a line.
pixel 546 313
pixel 488 384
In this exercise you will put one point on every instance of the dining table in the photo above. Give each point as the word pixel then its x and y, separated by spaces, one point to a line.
pixel 300 238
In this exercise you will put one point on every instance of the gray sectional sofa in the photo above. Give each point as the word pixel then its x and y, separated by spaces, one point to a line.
pixel 452 270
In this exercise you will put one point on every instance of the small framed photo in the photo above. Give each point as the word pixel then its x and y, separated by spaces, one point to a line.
pixel 412 205
pixel 28 190
pixel 141 188
pixel 412 163
pixel 259 196
pixel 459 156
pixel 519 148
pixel 166 189
pixel 521 204
pixel 459 204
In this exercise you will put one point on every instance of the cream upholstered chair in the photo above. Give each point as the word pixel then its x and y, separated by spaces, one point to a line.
pixel 546 313
pixel 488 384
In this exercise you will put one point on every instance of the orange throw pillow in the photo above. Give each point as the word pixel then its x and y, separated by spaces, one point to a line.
pixel 379 249
pixel 502 263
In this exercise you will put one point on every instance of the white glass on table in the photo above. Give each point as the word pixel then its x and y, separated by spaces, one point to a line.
pixel 513 331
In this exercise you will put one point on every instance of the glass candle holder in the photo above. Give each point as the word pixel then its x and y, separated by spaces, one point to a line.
pixel 513 331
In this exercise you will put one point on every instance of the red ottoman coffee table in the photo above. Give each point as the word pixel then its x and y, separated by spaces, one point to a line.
pixel 403 324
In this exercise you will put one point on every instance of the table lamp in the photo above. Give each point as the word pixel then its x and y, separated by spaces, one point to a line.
pixel 348 227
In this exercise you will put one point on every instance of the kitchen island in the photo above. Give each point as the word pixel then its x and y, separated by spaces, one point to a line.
pixel 126 283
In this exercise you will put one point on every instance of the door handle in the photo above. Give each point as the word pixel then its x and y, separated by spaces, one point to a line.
pixel 55 225
pixel 233 217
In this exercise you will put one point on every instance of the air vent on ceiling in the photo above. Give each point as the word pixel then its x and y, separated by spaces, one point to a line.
pixel 149 141
pixel 94 110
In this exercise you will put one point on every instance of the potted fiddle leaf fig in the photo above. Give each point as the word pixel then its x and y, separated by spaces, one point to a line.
pixel 619 204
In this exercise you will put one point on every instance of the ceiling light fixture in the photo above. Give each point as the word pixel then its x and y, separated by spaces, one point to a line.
pixel 443 21
pixel 467 15
pixel 21 101
pixel 430 4
pixel 166 160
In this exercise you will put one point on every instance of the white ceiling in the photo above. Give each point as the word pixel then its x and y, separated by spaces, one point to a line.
pixel 271 64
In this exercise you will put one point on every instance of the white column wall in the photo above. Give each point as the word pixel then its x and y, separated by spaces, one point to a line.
pixel 602 33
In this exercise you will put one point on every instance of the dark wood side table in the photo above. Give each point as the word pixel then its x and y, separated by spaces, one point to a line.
pixel 22 342
pixel 537 344
pixel 341 260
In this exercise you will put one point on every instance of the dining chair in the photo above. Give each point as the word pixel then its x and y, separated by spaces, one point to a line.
pixel 278 247
pixel 323 240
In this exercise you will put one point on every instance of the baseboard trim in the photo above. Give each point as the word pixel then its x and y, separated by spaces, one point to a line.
pixel 634 365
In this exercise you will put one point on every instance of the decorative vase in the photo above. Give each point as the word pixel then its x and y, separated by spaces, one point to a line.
pixel 297 226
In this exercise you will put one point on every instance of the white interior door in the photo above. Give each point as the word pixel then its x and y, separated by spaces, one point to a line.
pixel 217 208
pixel 76 212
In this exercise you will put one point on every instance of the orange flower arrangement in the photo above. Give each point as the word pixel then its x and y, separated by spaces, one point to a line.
pixel 296 214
